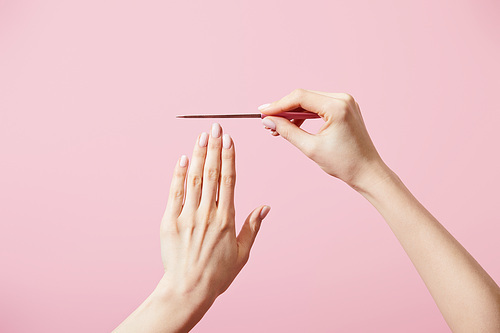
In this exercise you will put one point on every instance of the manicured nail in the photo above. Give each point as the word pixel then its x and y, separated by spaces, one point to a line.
pixel 263 106
pixel 269 123
pixel 184 161
pixel 226 141
pixel 216 130
pixel 202 142
pixel 264 212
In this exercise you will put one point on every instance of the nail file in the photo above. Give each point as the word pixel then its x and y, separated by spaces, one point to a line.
pixel 287 114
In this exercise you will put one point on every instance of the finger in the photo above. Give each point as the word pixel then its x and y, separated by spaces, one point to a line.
pixel 248 232
pixel 211 169
pixel 297 122
pixel 228 175
pixel 176 194
pixel 195 174
pixel 343 96
pixel 298 99
pixel 288 130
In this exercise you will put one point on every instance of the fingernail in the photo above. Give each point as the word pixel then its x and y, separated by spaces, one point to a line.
pixel 184 161
pixel 264 212
pixel 263 106
pixel 269 123
pixel 226 141
pixel 216 129
pixel 202 142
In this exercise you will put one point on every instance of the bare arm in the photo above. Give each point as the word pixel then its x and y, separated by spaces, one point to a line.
pixel 466 295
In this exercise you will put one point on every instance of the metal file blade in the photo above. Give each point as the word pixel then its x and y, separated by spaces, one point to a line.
pixel 286 114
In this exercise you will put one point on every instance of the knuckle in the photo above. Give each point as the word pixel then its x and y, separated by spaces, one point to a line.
pixel 227 214
pixel 187 222
pixel 213 174
pixel 339 108
pixel 332 104
pixel 195 180
pixel 178 193
pixel 348 98
pixel 223 222
pixel 224 226
pixel 179 173
pixel 298 93
pixel 202 216
pixel 205 210
pixel 228 180
pixel 344 105
pixel 187 227
pixel 344 108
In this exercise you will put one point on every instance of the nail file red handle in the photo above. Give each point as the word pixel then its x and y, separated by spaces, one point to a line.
pixel 295 115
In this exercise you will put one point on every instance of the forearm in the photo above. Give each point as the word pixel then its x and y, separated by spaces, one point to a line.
pixel 466 295
pixel 165 311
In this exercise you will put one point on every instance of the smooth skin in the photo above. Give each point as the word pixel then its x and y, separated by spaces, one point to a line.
pixel 200 250
pixel 202 254
pixel 466 295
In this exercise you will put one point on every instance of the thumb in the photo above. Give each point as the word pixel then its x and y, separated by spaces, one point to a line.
pixel 291 132
pixel 249 231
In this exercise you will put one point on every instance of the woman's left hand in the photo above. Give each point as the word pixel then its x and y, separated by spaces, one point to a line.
pixel 200 250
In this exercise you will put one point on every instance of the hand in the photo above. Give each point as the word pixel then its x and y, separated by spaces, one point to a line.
pixel 342 147
pixel 200 251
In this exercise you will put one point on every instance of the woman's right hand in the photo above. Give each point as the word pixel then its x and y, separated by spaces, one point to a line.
pixel 342 147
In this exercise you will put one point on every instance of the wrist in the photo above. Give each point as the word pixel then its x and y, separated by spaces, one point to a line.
pixel 195 296
pixel 182 309
pixel 371 176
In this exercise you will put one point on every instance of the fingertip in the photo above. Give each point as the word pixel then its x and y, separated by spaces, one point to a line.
pixel 270 108
pixel 269 123
pixel 183 161
pixel 227 141
pixel 216 130
pixel 264 211
pixel 203 140
pixel 264 106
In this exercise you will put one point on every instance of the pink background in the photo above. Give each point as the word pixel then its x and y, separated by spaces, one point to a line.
pixel 88 141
